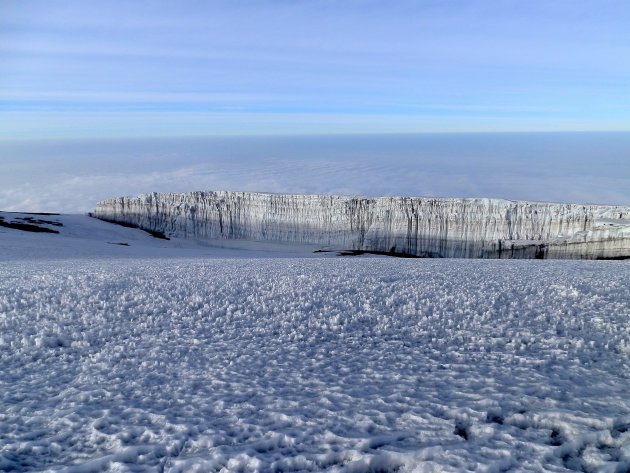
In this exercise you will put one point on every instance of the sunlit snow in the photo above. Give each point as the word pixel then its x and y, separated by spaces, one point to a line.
pixel 295 364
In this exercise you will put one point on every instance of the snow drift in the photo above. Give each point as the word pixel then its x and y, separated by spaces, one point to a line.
pixel 425 227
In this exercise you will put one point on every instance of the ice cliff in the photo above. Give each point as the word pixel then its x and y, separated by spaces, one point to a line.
pixel 461 228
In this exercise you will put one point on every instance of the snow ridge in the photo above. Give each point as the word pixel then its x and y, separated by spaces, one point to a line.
pixel 426 227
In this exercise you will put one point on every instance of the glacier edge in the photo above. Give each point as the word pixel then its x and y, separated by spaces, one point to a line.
pixel 419 226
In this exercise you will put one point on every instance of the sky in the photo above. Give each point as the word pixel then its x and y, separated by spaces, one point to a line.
pixel 153 68
pixel 464 98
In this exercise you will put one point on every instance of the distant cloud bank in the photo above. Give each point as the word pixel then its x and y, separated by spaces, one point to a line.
pixel 71 176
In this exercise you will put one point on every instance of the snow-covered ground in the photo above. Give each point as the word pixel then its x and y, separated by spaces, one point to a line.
pixel 81 236
pixel 134 362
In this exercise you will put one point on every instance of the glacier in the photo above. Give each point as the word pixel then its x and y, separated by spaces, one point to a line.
pixel 415 226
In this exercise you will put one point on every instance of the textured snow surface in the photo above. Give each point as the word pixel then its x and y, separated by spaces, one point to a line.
pixel 461 228
pixel 340 365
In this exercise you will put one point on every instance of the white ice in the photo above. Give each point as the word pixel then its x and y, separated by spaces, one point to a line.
pixel 421 226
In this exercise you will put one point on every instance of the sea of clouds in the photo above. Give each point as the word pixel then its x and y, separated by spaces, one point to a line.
pixel 71 176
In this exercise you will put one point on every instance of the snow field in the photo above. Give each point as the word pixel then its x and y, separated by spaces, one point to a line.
pixel 340 365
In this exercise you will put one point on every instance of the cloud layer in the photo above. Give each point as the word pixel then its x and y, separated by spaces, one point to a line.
pixel 71 176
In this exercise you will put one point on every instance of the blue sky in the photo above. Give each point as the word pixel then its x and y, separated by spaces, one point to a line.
pixel 118 69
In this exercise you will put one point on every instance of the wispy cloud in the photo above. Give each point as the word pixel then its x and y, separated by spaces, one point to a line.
pixel 559 62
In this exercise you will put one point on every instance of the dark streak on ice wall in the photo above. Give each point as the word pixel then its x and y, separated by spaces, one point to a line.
pixel 460 228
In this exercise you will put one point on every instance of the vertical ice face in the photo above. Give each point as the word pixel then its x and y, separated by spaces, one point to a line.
pixel 465 228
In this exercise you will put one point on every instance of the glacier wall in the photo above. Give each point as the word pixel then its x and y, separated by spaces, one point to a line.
pixel 429 227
